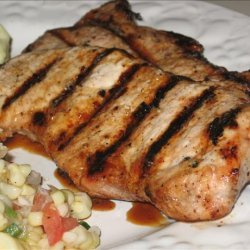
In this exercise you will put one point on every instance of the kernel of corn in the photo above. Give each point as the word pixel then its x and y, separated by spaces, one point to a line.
pixel 3 150
pixel 8 242
pixel 83 197
pixel 3 222
pixel 69 237
pixel 27 190
pixel 58 246
pixel 34 236
pixel 10 191
pixel 80 210
pixel 2 165
pixel 63 209
pixel 35 218
pixel 5 199
pixel 16 177
pixel 25 169
pixel 2 207
pixel 82 235
pixel 69 196
pixel 58 197
pixel 43 243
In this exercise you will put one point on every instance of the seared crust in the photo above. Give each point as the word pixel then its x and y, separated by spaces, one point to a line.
pixel 76 36
pixel 123 129
pixel 170 51
pixel 113 25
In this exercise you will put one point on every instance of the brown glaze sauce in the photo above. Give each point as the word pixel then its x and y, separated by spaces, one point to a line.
pixel 102 205
pixel 146 214
pixel 21 141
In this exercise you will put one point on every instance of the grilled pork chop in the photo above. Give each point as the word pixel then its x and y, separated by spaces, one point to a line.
pixel 113 26
pixel 170 51
pixel 124 129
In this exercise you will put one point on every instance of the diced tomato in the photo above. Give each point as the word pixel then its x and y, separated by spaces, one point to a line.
pixel 69 223
pixel 40 200
pixel 52 223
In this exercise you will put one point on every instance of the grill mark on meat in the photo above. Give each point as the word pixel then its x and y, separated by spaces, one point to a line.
pixel 188 44
pixel 97 161
pixel 62 37
pixel 216 127
pixel 39 118
pixel 34 79
pixel 161 92
pixel 190 47
pixel 115 92
pixel 175 126
pixel 82 75
pixel 127 40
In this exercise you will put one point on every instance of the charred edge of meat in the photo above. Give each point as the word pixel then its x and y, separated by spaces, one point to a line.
pixel 82 75
pixel 64 176
pixel 34 79
pixel 175 126
pixel 216 127
pixel 108 25
pixel 236 77
pixel 57 33
pixel 125 7
pixel 96 162
pixel 121 6
pixel 39 118
pixel 185 42
pixel 190 46
pixel 115 92
pixel 29 48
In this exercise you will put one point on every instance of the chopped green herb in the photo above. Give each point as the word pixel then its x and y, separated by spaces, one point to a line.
pixel 84 224
pixel 9 212
pixel 13 230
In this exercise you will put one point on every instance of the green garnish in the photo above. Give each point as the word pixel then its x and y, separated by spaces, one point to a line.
pixel 84 224
pixel 10 212
pixel 13 230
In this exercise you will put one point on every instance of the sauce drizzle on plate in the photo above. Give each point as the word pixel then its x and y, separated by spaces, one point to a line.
pixel 102 205
pixel 21 141
pixel 146 214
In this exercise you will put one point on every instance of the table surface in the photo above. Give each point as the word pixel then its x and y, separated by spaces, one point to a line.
pixel 242 6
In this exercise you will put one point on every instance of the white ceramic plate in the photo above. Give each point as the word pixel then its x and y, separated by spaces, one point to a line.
pixel 226 37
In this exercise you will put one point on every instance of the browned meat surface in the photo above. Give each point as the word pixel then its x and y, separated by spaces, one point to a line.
pixel 124 129
pixel 113 26
pixel 76 36
pixel 245 75
pixel 170 51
